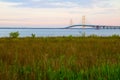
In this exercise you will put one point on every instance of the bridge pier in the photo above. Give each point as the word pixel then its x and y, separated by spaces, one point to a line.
pixel 103 27
pixel 97 27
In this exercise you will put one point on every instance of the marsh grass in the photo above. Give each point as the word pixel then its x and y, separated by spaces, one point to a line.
pixel 60 58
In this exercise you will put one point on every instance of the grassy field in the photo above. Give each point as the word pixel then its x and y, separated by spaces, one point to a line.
pixel 60 58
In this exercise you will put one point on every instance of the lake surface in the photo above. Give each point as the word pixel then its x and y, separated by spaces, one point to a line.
pixel 39 32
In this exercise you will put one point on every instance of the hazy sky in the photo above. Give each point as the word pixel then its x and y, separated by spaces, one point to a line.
pixel 57 13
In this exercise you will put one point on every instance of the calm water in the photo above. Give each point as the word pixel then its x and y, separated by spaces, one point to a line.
pixel 60 32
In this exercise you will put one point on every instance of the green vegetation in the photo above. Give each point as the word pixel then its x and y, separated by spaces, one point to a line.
pixel 33 35
pixel 60 58
pixel 14 34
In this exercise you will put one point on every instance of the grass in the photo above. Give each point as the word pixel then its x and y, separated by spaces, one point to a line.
pixel 60 58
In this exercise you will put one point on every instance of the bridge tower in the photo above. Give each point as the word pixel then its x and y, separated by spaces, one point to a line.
pixel 83 21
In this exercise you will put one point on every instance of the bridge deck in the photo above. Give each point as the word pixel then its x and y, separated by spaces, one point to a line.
pixel 96 26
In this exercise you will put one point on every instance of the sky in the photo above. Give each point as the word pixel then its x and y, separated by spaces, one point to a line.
pixel 58 13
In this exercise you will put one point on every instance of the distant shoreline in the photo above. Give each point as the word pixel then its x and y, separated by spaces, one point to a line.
pixel 27 28
pixel 41 28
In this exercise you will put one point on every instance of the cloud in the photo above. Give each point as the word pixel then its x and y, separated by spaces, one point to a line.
pixel 66 3
pixel 52 3
pixel 9 4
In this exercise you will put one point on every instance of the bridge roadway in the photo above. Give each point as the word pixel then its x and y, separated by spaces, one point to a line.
pixel 96 26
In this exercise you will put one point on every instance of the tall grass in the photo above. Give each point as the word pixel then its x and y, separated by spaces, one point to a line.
pixel 60 58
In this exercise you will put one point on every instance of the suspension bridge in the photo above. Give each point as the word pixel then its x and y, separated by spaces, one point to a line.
pixel 84 25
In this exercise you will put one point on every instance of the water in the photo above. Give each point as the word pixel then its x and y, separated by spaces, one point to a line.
pixel 60 32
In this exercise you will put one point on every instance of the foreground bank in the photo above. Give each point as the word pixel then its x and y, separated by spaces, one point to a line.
pixel 60 58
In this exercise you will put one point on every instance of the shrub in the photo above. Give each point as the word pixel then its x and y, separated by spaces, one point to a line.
pixel 14 34
pixel 115 35
pixel 33 35
pixel 70 36
pixel 93 35
pixel 83 34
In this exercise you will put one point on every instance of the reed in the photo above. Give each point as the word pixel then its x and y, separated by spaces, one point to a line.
pixel 60 58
